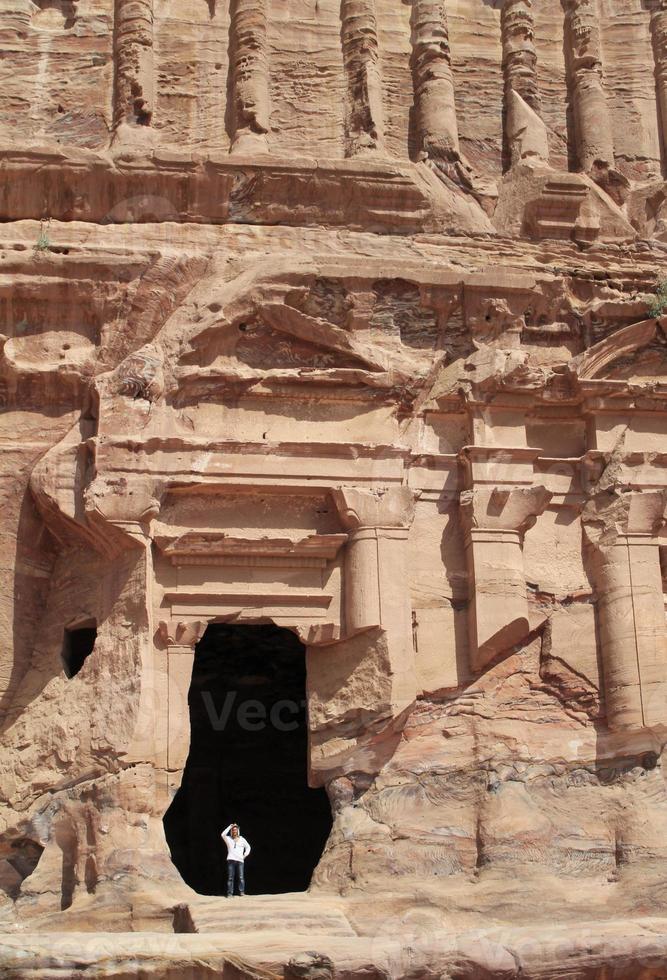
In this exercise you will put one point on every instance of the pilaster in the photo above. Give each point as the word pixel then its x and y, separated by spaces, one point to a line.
pixel 376 594
pixel 500 504
pixel 178 641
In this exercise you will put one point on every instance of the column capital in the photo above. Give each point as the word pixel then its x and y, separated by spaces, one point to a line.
pixel 362 508
pixel 612 514
pixel 178 636
pixel 503 508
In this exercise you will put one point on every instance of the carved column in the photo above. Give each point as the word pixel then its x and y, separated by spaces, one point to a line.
pixel 659 36
pixel 134 77
pixel 250 75
pixel 500 505
pixel 519 55
pixel 433 81
pixel 621 543
pixel 592 123
pixel 525 132
pixel 375 575
pixel 364 119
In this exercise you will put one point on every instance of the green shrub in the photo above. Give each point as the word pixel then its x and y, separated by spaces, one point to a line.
pixel 43 243
pixel 659 302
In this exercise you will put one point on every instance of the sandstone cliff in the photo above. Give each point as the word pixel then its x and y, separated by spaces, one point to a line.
pixel 348 318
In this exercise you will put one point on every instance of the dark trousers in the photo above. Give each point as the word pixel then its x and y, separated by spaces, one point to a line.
pixel 235 872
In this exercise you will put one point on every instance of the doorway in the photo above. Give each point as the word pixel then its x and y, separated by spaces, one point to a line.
pixel 248 763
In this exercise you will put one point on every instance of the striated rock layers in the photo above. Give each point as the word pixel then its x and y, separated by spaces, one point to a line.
pixel 346 319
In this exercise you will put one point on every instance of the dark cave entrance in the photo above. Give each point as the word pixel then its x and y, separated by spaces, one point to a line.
pixel 78 644
pixel 248 763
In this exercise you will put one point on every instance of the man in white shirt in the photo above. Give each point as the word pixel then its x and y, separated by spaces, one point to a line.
pixel 238 850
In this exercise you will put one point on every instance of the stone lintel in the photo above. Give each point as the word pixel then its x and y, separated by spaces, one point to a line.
pixel 182 600
pixel 202 545
pixel 192 465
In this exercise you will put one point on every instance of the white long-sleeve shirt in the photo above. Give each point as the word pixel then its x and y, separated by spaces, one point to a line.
pixel 238 848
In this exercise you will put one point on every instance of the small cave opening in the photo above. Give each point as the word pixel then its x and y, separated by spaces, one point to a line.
pixel 18 860
pixel 248 764
pixel 78 643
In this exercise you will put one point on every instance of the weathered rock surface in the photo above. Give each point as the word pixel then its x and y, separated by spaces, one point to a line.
pixel 347 317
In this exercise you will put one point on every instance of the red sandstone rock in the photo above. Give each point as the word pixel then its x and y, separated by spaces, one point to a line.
pixel 346 318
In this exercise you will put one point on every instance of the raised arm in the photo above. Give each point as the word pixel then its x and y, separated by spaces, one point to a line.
pixel 225 833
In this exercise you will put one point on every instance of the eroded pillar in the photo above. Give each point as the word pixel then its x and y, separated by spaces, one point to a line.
pixel 621 536
pixel 134 74
pixel 250 76
pixel 375 575
pixel 433 81
pixel 525 132
pixel 499 506
pixel 592 122
pixel 659 38
pixel 364 117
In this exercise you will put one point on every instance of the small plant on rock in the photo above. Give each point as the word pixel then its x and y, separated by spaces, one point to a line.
pixel 43 243
pixel 659 302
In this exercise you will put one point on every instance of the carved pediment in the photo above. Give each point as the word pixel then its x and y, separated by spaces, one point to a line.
pixel 276 337
pixel 282 333
pixel 648 365
pixel 260 346
pixel 635 354
pixel 343 327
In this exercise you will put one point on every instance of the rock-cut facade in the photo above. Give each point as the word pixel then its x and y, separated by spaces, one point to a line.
pixel 350 317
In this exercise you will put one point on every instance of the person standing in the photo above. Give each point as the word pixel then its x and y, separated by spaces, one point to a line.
pixel 238 850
